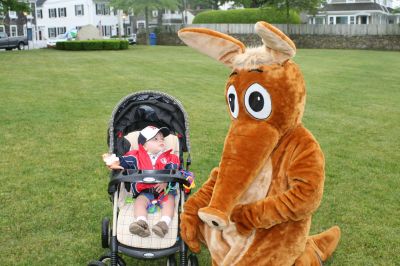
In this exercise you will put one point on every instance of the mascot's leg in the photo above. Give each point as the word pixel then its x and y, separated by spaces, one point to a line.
pixel 319 248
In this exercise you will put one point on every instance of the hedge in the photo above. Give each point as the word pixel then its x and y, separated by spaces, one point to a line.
pixel 93 45
pixel 248 15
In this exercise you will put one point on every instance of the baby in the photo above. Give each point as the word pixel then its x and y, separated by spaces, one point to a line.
pixel 150 155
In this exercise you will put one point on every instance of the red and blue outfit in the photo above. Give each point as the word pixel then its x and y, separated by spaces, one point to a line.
pixel 140 159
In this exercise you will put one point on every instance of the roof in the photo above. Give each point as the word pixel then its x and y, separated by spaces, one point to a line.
pixel 40 2
pixel 354 7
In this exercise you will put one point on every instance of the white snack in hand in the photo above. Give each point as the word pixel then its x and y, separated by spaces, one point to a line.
pixel 110 159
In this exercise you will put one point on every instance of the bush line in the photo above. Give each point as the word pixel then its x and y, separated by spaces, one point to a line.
pixel 248 15
pixel 93 45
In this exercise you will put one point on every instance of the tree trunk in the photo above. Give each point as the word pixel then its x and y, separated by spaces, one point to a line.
pixel 287 16
pixel 159 17
pixel 146 15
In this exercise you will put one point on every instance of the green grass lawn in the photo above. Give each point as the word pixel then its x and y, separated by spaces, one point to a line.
pixel 54 111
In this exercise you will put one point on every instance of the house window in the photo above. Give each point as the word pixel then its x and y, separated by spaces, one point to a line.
pixel 154 13
pixel 331 20
pixel 12 14
pixel 39 13
pixel 62 12
pixel 106 30
pixel 61 30
pixel 141 25
pixel 2 29
pixel 341 20
pixel 52 32
pixel 319 20
pixel 52 13
pixel 102 9
pixel 13 31
pixel 79 11
pixel 352 20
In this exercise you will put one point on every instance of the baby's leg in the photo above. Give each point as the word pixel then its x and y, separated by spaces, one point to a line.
pixel 167 211
pixel 140 209
pixel 139 226
pixel 168 207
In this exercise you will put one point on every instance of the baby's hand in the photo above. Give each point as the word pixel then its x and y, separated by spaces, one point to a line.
pixel 160 187
pixel 112 161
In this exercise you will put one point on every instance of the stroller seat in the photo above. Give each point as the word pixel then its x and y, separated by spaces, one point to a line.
pixel 125 216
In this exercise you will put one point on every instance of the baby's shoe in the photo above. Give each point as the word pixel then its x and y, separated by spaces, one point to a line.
pixel 140 228
pixel 160 229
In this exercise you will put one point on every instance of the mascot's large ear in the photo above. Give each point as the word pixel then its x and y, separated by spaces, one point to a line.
pixel 276 42
pixel 217 45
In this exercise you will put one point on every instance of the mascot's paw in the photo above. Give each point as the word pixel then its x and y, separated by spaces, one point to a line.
pixel 189 231
pixel 240 217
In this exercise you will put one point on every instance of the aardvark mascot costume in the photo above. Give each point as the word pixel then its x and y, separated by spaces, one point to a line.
pixel 256 207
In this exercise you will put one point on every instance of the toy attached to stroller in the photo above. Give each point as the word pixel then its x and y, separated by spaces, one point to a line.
pixel 132 114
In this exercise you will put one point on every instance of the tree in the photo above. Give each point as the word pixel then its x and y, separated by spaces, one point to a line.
pixel 250 3
pixel 13 5
pixel 144 7
pixel 311 6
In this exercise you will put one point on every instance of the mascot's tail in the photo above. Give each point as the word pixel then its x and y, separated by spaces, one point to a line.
pixel 319 247
pixel 326 242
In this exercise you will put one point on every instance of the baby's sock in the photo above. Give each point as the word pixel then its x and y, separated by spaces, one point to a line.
pixel 166 219
pixel 143 218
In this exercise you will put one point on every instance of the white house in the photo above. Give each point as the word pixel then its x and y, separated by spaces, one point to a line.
pixel 56 17
pixel 355 12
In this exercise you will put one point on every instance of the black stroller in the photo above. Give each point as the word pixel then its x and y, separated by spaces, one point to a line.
pixel 132 114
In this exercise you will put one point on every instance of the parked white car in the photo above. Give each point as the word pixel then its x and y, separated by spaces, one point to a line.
pixel 60 38
pixel 68 36
pixel 132 39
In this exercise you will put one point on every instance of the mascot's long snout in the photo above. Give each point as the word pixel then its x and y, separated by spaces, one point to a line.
pixel 246 149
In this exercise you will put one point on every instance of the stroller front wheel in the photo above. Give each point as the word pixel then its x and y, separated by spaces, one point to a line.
pixel 171 260
pixel 192 260
pixel 106 260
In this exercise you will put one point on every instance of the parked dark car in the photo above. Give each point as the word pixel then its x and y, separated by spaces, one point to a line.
pixel 10 43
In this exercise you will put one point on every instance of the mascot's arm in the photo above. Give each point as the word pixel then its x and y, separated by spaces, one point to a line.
pixel 305 175
pixel 190 221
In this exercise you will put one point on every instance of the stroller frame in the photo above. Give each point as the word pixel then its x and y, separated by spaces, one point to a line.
pixel 181 126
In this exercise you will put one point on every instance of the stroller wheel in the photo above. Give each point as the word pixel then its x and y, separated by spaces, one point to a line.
pixel 106 260
pixel 96 263
pixel 192 260
pixel 171 260
pixel 105 232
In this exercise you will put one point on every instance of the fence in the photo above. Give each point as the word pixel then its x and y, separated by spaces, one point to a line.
pixel 304 29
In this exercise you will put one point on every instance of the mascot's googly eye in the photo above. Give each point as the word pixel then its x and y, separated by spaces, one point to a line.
pixel 258 101
pixel 233 103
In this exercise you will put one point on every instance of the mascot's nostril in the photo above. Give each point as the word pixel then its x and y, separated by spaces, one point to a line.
pixel 215 223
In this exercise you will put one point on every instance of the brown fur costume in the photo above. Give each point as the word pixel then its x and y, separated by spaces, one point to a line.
pixel 256 207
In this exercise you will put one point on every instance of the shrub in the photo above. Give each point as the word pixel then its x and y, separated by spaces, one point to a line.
pixel 60 45
pixel 124 45
pixel 248 15
pixel 73 45
pixel 111 45
pixel 93 45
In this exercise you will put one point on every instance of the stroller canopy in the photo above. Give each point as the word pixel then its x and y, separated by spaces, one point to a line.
pixel 138 110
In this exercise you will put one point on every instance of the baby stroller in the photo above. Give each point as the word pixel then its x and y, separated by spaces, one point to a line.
pixel 133 113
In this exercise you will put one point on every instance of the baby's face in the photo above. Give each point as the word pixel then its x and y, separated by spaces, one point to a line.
pixel 156 144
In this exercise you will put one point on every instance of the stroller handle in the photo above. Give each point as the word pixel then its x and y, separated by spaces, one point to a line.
pixel 148 176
